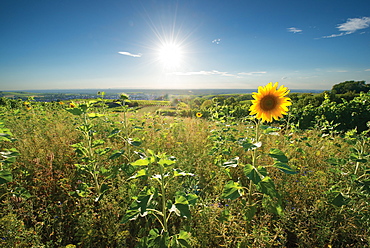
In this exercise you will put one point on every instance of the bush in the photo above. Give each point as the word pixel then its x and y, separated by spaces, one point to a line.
pixel 347 115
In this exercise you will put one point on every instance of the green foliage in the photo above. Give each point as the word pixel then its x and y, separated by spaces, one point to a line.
pixel 351 86
pixel 158 167
pixel 343 116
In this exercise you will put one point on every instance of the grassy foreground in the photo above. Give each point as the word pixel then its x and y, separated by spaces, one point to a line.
pixel 82 176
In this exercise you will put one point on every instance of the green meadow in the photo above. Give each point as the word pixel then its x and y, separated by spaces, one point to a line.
pixel 197 172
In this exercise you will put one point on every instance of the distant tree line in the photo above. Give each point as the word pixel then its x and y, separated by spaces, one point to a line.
pixel 350 86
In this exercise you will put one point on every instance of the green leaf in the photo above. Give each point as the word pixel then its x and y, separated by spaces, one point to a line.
pixel 5 176
pixel 192 198
pixel 255 174
pixel 267 187
pixel 114 132
pixel 130 215
pixel 231 163
pixel 284 168
pixel 102 151
pixel 340 200
pixel 94 115
pixel 75 111
pixel 232 190
pixel 249 212
pixel 180 199
pixel 128 169
pixel 142 201
pixel 9 155
pixel 178 173
pixel 134 141
pixel 5 136
pixel 141 162
pixel 103 189
pixel 269 129
pixel 166 161
pixel 273 205
pixel 140 173
pixel 21 192
pixel 278 155
pixel 83 107
pixel 246 144
pixel 116 154
pixel 98 142
pixel 157 240
pixel 183 238
pixel 83 190
pixel 181 210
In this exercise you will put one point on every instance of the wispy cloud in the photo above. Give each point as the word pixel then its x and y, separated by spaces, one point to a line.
pixel 216 41
pixel 131 54
pixel 351 26
pixel 338 71
pixel 294 30
pixel 252 73
pixel 205 73
pixel 218 73
pixel 367 70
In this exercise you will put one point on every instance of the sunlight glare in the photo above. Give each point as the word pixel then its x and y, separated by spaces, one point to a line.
pixel 170 55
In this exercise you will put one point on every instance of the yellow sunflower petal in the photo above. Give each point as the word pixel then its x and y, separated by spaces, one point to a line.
pixel 270 102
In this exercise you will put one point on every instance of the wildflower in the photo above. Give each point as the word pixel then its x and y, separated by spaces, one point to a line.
pixel 61 103
pixel 199 115
pixel 27 105
pixel 270 103
pixel 72 105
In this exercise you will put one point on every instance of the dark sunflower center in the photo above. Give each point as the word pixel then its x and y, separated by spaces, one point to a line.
pixel 268 103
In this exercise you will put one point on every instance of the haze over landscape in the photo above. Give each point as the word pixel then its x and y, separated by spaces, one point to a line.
pixel 195 44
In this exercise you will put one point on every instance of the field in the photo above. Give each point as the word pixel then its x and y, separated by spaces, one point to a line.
pixel 88 175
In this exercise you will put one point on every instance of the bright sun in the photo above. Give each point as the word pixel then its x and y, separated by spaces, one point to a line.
pixel 170 55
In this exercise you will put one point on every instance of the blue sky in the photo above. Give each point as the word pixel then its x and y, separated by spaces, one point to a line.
pixel 68 44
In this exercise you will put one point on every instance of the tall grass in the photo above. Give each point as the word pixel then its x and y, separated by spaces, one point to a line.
pixel 326 204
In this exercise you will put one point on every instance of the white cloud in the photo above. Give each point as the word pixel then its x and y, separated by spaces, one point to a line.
pixel 216 41
pixel 131 54
pixel 351 26
pixel 367 70
pixel 334 35
pixel 294 30
pixel 205 73
pixel 218 73
pixel 252 73
pixel 354 24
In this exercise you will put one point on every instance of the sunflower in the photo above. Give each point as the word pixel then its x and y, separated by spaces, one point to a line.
pixel 270 103
pixel 72 105
pixel 199 115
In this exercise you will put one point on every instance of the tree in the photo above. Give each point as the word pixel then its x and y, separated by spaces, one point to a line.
pixel 348 86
